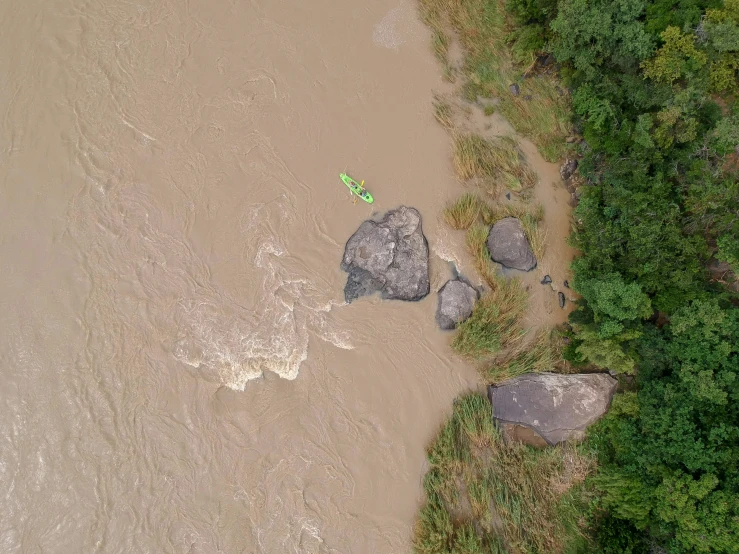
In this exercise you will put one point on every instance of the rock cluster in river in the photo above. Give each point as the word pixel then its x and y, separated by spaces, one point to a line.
pixel 509 246
pixel 389 256
pixel 547 408
pixel 456 301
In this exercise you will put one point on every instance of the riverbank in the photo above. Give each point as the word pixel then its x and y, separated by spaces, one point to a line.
pixel 655 98
pixel 507 135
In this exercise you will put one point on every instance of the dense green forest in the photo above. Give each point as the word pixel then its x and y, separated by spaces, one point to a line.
pixel 653 86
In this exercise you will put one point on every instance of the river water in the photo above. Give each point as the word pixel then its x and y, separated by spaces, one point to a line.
pixel 178 370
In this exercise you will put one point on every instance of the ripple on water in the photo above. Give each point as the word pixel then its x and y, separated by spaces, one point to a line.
pixel 399 26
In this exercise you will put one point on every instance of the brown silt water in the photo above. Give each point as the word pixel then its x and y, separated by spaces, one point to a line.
pixel 179 370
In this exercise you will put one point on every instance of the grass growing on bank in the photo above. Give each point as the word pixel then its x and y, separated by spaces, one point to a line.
pixel 495 321
pixel 443 112
pixel 534 356
pixel 493 162
pixel 469 209
pixel 540 111
pixel 486 496
pixel 465 211
pixel 476 238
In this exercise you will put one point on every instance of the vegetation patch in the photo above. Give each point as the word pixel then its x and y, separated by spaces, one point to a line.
pixel 655 96
pixel 443 112
pixel 465 211
pixel 493 162
pixel 654 88
pixel 540 111
pixel 495 321
pixel 533 356
pixel 486 496
pixel 476 239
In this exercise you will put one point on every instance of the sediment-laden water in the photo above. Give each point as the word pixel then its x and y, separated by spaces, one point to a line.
pixel 179 371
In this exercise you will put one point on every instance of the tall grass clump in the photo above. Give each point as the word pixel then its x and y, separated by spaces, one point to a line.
pixel 464 211
pixel 494 162
pixel 495 321
pixel 541 111
pixel 521 211
pixel 476 240
pixel 486 496
pixel 443 112
pixel 534 356
pixel 536 234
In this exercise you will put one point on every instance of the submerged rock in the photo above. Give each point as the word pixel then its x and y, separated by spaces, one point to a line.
pixel 561 298
pixel 456 301
pixel 568 169
pixel 546 280
pixel 509 246
pixel 555 407
pixel 390 256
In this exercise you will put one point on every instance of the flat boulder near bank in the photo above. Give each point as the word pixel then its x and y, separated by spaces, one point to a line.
pixel 389 256
pixel 547 408
pixel 456 301
pixel 509 246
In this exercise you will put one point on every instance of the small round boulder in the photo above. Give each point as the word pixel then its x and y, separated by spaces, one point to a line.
pixel 509 246
pixel 456 301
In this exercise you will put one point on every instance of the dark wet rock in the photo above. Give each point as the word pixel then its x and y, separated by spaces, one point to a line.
pixel 390 256
pixel 555 407
pixel 546 280
pixel 453 269
pixel 568 169
pixel 515 89
pixel 509 246
pixel 561 297
pixel 545 60
pixel 456 300
pixel 508 195
pixel 567 284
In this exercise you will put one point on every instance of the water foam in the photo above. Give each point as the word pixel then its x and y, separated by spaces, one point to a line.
pixel 400 25
pixel 273 333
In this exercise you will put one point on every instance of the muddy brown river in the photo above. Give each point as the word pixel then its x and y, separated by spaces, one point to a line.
pixel 179 372
pixel 178 369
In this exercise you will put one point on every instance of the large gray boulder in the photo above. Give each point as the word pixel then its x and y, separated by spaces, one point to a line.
pixel 456 300
pixel 390 256
pixel 549 406
pixel 509 246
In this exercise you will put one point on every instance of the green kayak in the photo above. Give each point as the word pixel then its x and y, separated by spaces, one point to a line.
pixel 356 188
